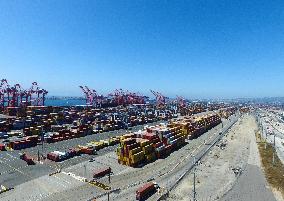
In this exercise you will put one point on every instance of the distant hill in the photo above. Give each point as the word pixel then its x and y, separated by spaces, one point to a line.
pixel 275 100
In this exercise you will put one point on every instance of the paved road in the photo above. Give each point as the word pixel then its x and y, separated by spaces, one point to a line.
pixel 250 186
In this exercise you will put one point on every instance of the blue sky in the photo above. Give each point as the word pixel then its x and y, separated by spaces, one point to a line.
pixel 198 49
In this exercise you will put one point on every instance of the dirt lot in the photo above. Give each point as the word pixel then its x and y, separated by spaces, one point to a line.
pixel 218 171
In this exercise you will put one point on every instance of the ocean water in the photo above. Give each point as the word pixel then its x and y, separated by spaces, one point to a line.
pixel 66 102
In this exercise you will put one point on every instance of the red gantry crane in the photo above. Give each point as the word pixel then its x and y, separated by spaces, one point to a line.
pixel 181 105
pixel 90 95
pixel 21 96
pixel 181 102
pixel 136 98
pixel 16 96
pixel 33 94
pixel 7 94
pixel 131 98
pixel 160 99
pixel 36 95
pixel 41 99
pixel 118 97
pixel 121 97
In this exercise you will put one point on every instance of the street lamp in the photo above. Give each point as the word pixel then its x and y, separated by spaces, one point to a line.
pixel 273 157
pixel 194 178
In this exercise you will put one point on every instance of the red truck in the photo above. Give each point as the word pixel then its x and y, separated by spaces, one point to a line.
pixel 27 158
pixel 146 191
pixel 2 147
pixel 102 172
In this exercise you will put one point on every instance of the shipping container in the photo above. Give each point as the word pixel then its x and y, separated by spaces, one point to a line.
pixel 146 191
pixel 102 172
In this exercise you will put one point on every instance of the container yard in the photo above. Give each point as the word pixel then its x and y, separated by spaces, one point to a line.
pixel 96 141
pixel 120 146
pixel 50 141
pixel 141 100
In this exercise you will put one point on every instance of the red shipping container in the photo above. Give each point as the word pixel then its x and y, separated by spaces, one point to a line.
pixel 158 144
pixel 129 141
pixel 16 145
pixel 2 147
pixel 55 139
pixel 168 149
pixel 145 191
pixel 102 172
pixel 53 157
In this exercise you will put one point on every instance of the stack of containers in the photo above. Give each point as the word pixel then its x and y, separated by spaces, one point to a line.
pixel 212 121
pixel 160 147
pixel 148 150
pixel 24 143
pixel 199 126
pixel 98 127
pixel 90 150
pixel 5 126
pixel 60 156
pixel 146 146
pixel 176 138
pixel 65 134
pixel 130 152
pixel 226 112
pixel 32 130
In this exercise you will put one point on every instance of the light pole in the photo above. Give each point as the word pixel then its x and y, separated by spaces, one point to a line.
pixel 194 178
pixel 109 184
pixel 42 141
pixel 85 171
pixel 273 157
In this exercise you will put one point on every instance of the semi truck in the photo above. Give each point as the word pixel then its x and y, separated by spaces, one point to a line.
pixel 146 191
pixel 27 158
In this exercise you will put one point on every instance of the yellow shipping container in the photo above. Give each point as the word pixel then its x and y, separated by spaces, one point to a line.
pixel 125 159
pixel 104 142
pixel 147 149
pixel 119 157
pixel 150 157
pixel 184 131
pixel 118 149
pixel 137 157
pixel 144 143
pixel 134 159
pixel 134 151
